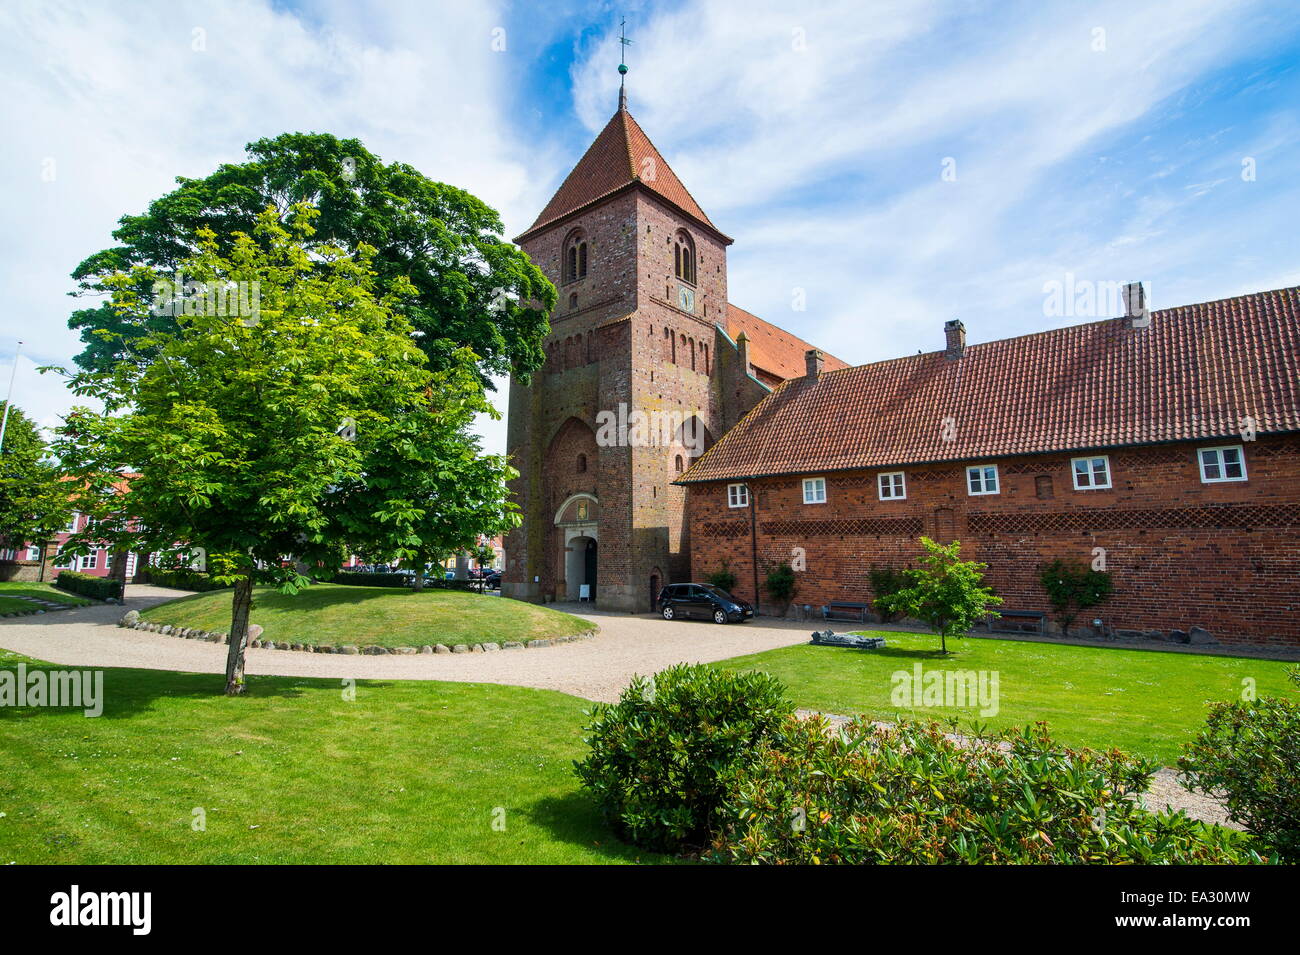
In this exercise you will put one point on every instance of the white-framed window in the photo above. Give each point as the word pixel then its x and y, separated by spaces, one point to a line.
pixel 982 479
pixel 72 524
pixel 1227 463
pixel 814 490
pixel 737 495
pixel 8 554
pixel 33 553
pixel 1091 474
pixel 90 561
pixel 892 486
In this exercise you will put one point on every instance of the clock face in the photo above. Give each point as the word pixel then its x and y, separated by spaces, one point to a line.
pixel 685 299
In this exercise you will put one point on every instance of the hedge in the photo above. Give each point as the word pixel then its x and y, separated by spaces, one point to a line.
pixel 399 580
pixel 86 585
pixel 370 580
pixel 183 578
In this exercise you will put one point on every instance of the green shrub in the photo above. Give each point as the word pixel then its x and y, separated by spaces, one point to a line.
pixel 885 582
pixel 87 585
pixel 663 756
pixel 1249 755
pixel 442 583
pixel 780 583
pixel 723 577
pixel 1072 587
pixel 182 578
pixel 374 580
pixel 912 794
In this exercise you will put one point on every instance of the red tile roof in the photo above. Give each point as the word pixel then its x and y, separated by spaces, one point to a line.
pixel 620 155
pixel 771 348
pixel 1193 373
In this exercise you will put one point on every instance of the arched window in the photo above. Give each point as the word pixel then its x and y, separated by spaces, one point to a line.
pixel 684 257
pixel 678 464
pixel 704 356
pixel 692 354
pixel 582 464
pixel 573 301
pixel 575 256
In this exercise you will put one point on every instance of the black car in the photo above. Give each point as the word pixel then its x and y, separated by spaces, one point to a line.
pixel 704 602
pixel 492 580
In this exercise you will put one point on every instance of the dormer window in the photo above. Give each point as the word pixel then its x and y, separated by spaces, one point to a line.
pixel 684 257
pixel 575 256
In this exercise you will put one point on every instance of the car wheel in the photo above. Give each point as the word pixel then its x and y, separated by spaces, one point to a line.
pixel 719 616
pixel 668 611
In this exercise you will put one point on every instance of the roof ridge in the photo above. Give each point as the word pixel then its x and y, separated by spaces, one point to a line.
pixel 1189 376
pixel 1066 328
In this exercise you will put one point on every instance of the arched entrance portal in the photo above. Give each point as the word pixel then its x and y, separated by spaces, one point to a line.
pixel 577 523
pixel 580 569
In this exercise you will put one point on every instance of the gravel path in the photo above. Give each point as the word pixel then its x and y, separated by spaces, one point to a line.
pixel 594 669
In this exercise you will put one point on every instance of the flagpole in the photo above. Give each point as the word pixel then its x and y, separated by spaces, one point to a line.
pixel 4 423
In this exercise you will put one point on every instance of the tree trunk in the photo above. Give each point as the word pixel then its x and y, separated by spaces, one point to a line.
pixel 418 582
pixel 240 607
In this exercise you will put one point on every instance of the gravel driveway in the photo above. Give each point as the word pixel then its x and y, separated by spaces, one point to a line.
pixel 595 669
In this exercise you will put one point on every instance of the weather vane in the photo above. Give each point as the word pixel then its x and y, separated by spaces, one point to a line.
pixel 622 59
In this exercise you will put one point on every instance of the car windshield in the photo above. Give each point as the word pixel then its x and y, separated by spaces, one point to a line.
pixel 718 592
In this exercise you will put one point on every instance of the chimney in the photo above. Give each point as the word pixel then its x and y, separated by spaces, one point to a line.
pixel 814 360
pixel 1135 305
pixel 954 333
pixel 742 346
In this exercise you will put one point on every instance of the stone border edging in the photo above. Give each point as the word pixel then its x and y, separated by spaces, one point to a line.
pixel 43 606
pixel 131 620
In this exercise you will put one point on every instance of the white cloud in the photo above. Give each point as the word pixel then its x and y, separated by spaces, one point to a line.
pixel 812 133
pixel 824 161
pixel 121 100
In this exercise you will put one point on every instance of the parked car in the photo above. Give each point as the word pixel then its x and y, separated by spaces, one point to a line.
pixel 493 580
pixel 703 602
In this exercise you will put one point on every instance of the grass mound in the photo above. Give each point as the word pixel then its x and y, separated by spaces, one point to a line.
pixel 378 616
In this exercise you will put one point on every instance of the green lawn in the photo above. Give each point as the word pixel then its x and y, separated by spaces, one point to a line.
pixel 380 616
pixel 19 588
pixel 409 772
pixel 1145 702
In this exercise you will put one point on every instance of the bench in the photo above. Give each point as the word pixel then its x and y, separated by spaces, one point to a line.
pixel 1016 620
pixel 846 611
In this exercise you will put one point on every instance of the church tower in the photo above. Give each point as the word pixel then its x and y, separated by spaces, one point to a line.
pixel 642 374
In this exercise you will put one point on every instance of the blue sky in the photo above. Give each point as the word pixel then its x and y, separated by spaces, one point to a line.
pixel 1106 141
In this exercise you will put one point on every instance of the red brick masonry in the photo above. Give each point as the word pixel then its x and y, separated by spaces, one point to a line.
pixel 1181 553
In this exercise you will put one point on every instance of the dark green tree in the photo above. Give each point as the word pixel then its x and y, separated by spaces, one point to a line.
pixel 472 288
pixel 427 491
pixel 34 503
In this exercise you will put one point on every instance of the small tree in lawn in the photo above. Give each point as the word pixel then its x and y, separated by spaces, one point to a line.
pixel 428 491
pixel 34 502
pixel 484 555
pixel 234 424
pixel 945 592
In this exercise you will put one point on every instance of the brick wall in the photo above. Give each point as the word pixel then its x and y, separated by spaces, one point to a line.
pixel 1181 553
pixel 619 337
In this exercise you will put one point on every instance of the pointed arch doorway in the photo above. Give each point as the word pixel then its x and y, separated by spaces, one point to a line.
pixel 577 525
